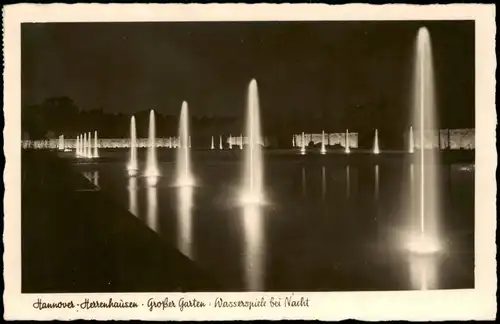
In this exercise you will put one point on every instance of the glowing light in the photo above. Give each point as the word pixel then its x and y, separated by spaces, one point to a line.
pixel 254 247
pixel 323 148
pixel 253 191
pixel 220 143
pixel 132 165
pixel 132 194
pixel 96 152
pixel 425 239
pixel 376 149
pixel 411 145
pixel 212 146
pixel 185 205
pixel 303 144
pixel 152 163
pixel 152 214
pixel 347 147
pixel 230 142
pixel 184 174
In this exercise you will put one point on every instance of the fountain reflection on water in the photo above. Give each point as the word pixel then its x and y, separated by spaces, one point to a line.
pixel 323 183
pixel 376 182
pixel 348 181
pixel 304 188
pixel 184 223
pixel 152 211
pixel 132 195
pixel 254 247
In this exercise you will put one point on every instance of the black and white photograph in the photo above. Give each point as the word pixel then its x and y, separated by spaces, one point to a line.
pixel 275 156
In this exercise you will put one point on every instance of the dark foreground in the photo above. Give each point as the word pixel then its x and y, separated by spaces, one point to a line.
pixel 76 240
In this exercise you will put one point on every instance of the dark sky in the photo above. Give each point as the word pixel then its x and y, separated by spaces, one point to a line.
pixel 301 67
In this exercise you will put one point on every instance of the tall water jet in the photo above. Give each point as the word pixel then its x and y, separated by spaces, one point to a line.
pixel 77 146
pixel 96 150
pixel 303 144
pixel 212 146
pixel 220 143
pixel 293 141
pixel 411 143
pixel 425 235
pixel 241 142
pixel 347 148
pixel 152 163
pixel 230 141
pixel 132 166
pixel 84 145
pixel 89 147
pixel 184 175
pixel 323 148
pixel 376 149
pixel 253 191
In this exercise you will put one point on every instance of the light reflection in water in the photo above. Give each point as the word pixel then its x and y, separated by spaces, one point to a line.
pixel 132 195
pixel 304 190
pixel 254 250
pixel 96 178
pixel 423 272
pixel 348 181
pixel 323 183
pixel 376 182
pixel 184 215
pixel 152 214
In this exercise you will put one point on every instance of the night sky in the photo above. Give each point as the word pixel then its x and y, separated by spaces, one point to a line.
pixel 302 68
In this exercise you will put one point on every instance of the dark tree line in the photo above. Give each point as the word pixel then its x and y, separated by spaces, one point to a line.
pixel 61 115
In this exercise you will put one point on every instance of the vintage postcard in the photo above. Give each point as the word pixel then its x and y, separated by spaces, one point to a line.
pixel 229 162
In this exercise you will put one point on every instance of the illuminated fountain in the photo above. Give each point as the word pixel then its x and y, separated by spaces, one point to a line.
pixel 96 152
pixel 347 148
pixel 84 153
pixel 303 144
pixel 184 176
pixel 212 146
pixel 230 141
pixel 293 141
pixel 424 236
pixel 220 143
pixel 152 172
pixel 411 143
pixel 253 191
pixel 89 146
pixel 132 166
pixel 77 146
pixel 323 148
pixel 241 142
pixel 376 149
